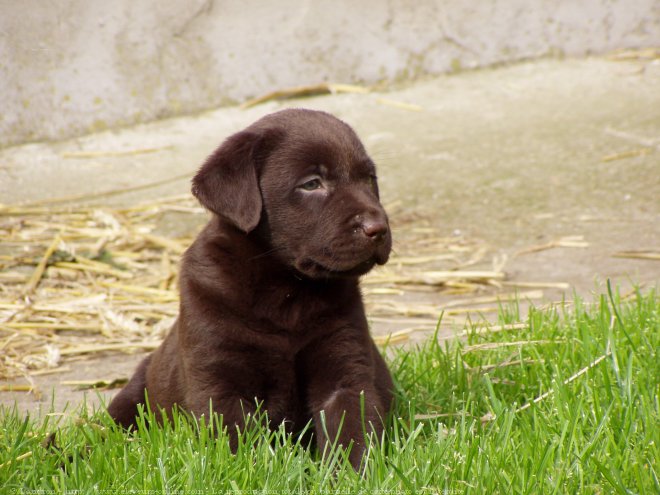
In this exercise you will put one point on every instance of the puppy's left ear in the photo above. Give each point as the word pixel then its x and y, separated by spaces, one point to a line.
pixel 228 184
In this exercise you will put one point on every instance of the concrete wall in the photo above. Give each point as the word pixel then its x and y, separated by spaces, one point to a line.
pixel 73 66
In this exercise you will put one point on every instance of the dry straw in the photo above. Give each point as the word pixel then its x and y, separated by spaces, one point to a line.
pixel 79 281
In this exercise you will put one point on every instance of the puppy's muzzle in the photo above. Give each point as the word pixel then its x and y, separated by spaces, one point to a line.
pixel 375 228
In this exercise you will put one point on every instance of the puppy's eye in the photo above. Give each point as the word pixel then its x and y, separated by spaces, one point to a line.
pixel 312 185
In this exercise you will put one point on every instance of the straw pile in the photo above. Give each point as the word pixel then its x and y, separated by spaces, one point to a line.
pixel 77 281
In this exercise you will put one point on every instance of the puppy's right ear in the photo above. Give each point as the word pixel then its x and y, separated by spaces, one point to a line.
pixel 228 184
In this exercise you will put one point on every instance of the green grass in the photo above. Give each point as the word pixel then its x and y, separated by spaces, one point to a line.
pixel 459 425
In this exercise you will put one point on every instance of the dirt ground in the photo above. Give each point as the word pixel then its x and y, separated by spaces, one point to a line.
pixel 551 168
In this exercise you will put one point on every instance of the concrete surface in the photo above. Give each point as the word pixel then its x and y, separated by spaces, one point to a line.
pixel 513 157
pixel 77 66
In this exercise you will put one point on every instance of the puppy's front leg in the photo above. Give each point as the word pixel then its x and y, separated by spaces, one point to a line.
pixel 231 390
pixel 341 392
pixel 223 399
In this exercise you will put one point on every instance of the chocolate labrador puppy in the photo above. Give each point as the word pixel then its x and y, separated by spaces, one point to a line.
pixel 270 307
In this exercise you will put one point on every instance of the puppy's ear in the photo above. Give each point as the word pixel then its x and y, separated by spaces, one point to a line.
pixel 227 183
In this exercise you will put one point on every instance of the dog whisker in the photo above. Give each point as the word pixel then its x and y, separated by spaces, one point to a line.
pixel 267 253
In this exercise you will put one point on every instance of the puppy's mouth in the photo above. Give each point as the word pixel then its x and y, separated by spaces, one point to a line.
pixel 318 269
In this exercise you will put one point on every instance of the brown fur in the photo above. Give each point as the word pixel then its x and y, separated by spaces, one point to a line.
pixel 270 304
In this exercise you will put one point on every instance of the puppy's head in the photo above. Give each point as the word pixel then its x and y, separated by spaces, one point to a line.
pixel 305 180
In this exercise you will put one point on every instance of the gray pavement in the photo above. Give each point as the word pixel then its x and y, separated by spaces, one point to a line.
pixel 514 157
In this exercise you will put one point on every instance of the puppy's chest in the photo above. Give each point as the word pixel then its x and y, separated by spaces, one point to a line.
pixel 288 311
pixel 298 310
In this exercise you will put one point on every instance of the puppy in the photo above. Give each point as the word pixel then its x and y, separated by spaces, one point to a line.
pixel 270 309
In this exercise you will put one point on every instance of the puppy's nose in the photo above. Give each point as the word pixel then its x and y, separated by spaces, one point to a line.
pixel 374 228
